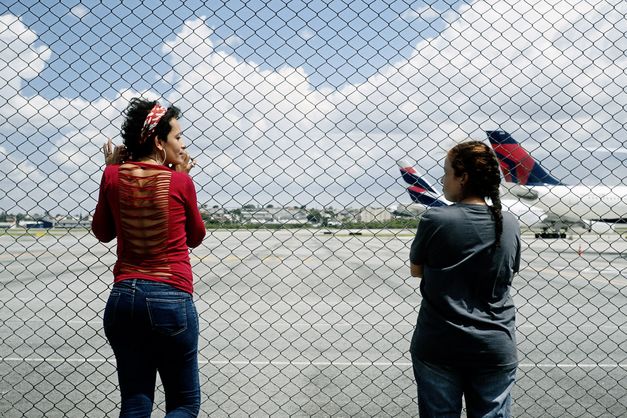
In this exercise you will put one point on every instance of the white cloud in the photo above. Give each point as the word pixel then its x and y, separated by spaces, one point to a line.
pixel 306 33
pixel 79 11
pixel 484 67
pixel 269 135
pixel 233 41
pixel 21 183
pixel 490 67
pixel 21 59
pixel 425 12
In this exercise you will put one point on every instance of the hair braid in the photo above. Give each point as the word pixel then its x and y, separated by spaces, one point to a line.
pixel 496 209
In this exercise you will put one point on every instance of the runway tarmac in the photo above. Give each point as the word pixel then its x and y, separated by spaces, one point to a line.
pixel 302 323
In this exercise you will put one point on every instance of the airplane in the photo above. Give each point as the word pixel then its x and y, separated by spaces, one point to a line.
pixel 565 205
pixel 424 196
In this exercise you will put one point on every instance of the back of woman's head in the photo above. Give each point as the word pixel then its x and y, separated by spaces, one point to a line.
pixel 479 162
pixel 140 143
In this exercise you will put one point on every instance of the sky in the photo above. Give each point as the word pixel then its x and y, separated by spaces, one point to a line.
pixel 308 103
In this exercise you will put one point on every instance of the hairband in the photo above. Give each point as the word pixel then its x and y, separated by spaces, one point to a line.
pixel 150 124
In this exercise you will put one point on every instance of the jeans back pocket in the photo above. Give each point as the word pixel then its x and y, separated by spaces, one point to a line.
pixel 167 316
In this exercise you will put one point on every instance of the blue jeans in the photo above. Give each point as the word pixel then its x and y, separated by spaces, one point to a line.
pixel 487 391
pixel 152 327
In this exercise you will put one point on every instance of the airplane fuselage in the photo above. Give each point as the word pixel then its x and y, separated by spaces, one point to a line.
pixel 576 202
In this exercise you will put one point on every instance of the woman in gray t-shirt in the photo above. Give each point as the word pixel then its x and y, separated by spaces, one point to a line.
pixel 464 343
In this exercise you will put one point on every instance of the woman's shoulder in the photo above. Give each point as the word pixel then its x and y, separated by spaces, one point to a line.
pixel 111 171
pixel 439 213
pixel 509 217
pixel 181 177
pixel 182 181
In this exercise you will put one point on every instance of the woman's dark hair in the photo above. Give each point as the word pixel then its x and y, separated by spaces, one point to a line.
pixel 477 159
pixel 135 116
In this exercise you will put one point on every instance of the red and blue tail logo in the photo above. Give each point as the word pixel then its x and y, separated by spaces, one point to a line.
pixel 421 196
pixel 410 175
pixel 516 163
pixel 419 190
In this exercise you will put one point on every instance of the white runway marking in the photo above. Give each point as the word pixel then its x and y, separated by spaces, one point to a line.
pixel 310 363
pixel 54 360
pixel 573 365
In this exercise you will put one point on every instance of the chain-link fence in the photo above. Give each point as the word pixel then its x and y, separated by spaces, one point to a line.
pixel 297 113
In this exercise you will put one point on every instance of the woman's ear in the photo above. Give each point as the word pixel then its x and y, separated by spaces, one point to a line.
pixel 158 143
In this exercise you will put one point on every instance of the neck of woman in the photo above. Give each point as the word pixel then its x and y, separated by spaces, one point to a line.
pixel 149 161
pixel 473 200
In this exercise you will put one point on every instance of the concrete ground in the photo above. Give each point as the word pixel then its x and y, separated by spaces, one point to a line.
pixel 303 323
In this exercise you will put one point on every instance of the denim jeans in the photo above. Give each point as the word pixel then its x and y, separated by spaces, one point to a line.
pixel 153 327
pixel 487 391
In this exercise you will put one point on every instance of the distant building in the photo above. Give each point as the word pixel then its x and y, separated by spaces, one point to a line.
pixel 289 216
pixel 216 214
pixel 348 215
pixel 282 216
pixel 374 215
pixel 255 215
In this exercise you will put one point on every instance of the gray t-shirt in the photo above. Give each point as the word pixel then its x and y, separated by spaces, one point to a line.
pixel 467 316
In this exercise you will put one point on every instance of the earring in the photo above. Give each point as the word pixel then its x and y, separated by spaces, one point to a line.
pixel 165 156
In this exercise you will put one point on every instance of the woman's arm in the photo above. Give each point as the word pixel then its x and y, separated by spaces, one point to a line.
pixel 194 225
pixel 415 270
pixel 419 246
pixel 103 223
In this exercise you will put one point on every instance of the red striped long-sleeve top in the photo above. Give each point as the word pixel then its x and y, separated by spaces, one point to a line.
pixel 153 212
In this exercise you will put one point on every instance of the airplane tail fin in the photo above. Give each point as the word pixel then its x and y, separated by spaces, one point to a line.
pixel 517 165
pixel 419 195
pixel 411 176
pixel 419 189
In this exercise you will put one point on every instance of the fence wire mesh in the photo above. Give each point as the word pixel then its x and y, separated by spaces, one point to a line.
pixel 297 113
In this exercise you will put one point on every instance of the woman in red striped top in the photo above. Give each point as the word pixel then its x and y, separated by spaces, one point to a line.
pixel 148 202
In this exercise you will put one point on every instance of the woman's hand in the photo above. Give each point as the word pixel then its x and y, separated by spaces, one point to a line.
pixel 114 154
pixel 187 164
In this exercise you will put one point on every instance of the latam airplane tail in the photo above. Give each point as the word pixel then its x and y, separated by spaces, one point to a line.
pixel 421 196
pixel 411 176
pixel 419 189
pixel 517 165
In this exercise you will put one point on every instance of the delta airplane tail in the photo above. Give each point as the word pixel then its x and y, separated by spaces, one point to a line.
pixel 419 190
pixel 517 165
